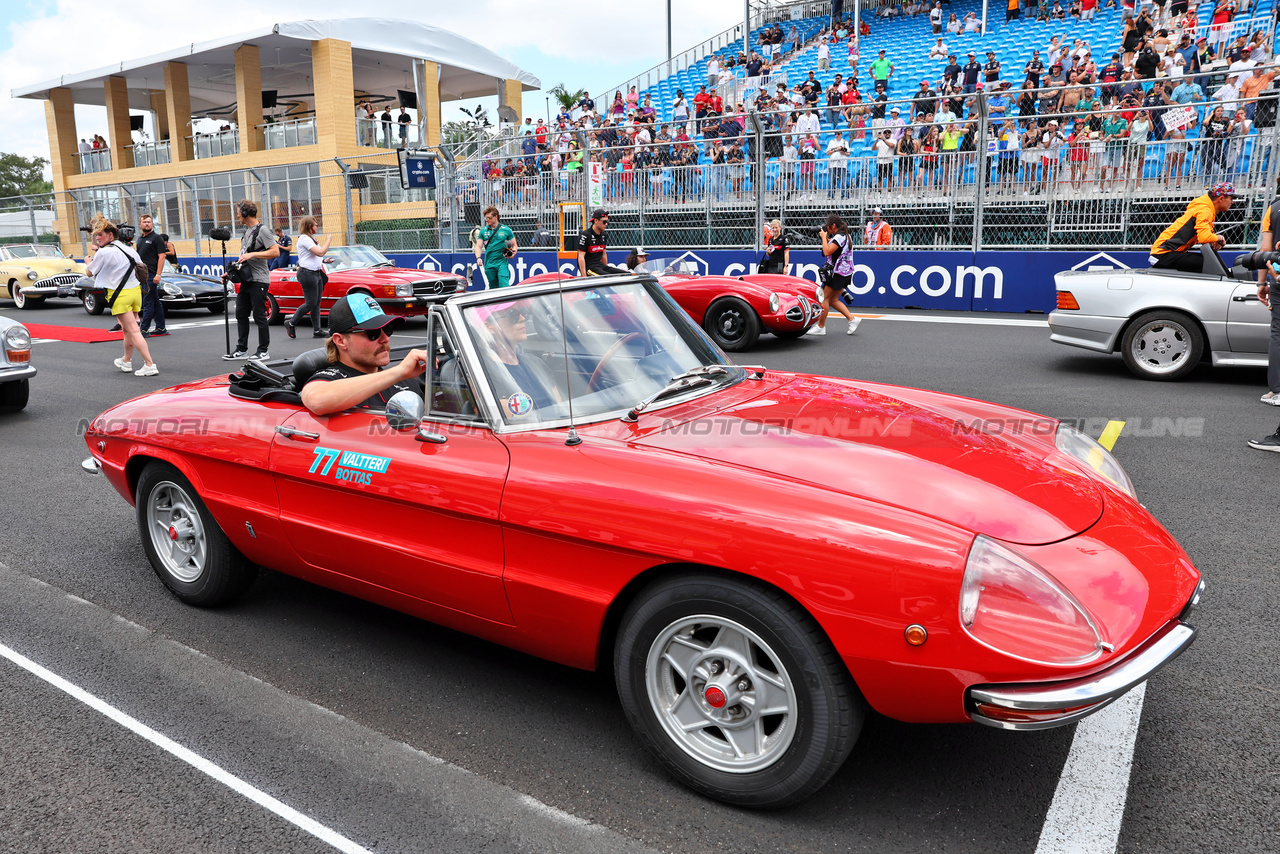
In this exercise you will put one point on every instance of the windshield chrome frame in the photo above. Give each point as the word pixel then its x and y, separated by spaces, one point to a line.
pixel 453 311
pixel 336 251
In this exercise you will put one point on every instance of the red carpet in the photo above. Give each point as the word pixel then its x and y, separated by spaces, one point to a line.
pixel 83 334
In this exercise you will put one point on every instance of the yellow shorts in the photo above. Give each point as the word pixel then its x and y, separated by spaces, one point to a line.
pixel 130 299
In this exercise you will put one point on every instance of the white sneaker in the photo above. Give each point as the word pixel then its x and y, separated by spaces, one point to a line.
pixel 817 330
pixel 1271 397
pixel 853 325
pixel 124 366
pixel 147 371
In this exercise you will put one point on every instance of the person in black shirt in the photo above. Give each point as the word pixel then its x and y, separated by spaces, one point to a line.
pixel 926 100
pixel 1033 69
pixel 778 252
pixel 951 74
pixel 359 347
pixel 593 256
pixel 971 71
pixel 152 250
pixel 992 69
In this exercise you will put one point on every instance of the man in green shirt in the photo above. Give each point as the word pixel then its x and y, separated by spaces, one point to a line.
pixel 495 243
pixel 882 69
pixel 1114 130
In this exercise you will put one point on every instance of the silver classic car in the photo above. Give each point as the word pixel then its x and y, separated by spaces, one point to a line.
pixel 15 365
pixel 1165 322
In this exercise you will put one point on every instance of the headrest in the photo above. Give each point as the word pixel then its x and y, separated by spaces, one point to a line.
pixel 307 364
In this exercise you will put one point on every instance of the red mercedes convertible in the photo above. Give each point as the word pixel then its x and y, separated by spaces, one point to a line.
pixel 355 269
pixel 758 556
pixel 734 310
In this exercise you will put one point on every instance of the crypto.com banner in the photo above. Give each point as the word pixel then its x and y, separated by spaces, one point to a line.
pixel 959 281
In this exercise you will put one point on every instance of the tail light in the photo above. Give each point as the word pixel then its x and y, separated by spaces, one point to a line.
pixel 1067 301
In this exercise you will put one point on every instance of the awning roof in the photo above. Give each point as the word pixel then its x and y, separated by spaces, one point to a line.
pixel 382 54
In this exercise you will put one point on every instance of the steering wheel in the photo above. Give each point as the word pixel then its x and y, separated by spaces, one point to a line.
pixel 613 351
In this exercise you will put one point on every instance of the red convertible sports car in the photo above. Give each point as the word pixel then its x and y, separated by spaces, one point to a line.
pixel 355 269
pixel 734 310
pixel 758 556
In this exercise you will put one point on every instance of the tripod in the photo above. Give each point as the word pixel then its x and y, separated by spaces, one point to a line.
pixel 226 301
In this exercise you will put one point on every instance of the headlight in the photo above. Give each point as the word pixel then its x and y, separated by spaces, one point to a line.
pixel 817 293
pixel 1011 605
pixel 405 290
pixel 17 338
pixel 171 290
pixel 32 275
pixel 775 303
pixel 1085 449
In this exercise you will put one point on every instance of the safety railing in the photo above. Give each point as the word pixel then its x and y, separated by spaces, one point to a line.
pixel 150 153
pixel 218 144
pixel 289 134
pixel 98 160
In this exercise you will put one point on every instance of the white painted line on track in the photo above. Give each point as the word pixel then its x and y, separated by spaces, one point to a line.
pixel 253 793
pixel 969 321
pixel 1088 806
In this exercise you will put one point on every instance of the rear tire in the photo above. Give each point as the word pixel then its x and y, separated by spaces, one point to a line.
pixel 187 549
pixel 275 317
pixel 14 395
pixel 1162 345
pixel 732 324
pixel 700 659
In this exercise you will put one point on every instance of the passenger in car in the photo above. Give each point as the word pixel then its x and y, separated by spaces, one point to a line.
pixel 359 348
pixel 516 374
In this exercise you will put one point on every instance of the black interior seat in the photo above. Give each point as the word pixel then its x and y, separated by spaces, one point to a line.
pixel 305 365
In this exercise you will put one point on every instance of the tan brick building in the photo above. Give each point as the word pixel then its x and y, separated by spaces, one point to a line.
pixel 287 99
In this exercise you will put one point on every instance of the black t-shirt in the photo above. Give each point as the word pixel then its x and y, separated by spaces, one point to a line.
pixel 593 246
pixel 340 371
pixel 753 68
pixel 149 248
pixel 777 253
pixel 992 70
pixel 971 71
pixel 951 73
pixel 1034 69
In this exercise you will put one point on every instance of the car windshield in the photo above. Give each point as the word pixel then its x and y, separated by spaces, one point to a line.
pixel 669 265
pixel 30 251
pixel 619 344
pixel 354 257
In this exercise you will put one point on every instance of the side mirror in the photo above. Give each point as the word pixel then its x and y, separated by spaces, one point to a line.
pixel 404 411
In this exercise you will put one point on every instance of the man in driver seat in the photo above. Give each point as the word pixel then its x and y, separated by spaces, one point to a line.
pixel 358 349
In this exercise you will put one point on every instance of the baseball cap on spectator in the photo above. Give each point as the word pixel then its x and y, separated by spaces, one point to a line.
pixel 359 313
pixel 971 53
pixel 1223 189
pixel 894 110
pixel 877 210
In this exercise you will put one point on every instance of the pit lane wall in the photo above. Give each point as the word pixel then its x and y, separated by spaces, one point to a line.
pixel 957 281
pixel 952 280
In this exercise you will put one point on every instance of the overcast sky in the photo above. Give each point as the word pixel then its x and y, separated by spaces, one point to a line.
pixel 592 45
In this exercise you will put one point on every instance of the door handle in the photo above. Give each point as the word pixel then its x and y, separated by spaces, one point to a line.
pixel 1251 298
pixel 293 433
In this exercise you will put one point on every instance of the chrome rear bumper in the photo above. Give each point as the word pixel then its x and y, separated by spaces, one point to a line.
pixel 1050 704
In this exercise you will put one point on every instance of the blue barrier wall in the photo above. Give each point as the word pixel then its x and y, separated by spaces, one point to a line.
pixel 960 281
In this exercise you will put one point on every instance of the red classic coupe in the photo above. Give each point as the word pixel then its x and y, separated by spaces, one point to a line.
pixel 758 556
pixel 407 293
pixel 734 310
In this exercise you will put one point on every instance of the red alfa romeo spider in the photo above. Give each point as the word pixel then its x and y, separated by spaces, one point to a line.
pixel 734 310
pixel 758 556
pixel 407 293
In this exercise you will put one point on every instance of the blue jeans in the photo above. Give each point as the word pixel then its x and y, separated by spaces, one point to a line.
pixel 152 309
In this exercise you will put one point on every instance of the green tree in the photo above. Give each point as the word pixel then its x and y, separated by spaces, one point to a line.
pixel 22 175
pixel 564 97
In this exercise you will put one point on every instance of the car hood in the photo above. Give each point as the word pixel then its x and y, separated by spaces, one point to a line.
pixel 391 275
pixel 983 467
pixel 49 266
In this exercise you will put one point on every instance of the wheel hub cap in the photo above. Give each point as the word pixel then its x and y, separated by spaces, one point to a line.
pixel 715 697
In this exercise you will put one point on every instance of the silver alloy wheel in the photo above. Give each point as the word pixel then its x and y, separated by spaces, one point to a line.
pixel 1161 346
pixel 177 533
pixel 721 694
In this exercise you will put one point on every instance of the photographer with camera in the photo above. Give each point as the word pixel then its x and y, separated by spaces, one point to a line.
pixel 494 244
pixel 836 275
pixel 257 247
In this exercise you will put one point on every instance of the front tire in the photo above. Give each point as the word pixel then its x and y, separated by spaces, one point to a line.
pixel 732 324
pixel 790 334
pixel 14 395
pixel 275 317
pixel 94 302
pixel 1162 345
pixel 187 549
pixel 220 308
pixel 736 690
pixel 22 301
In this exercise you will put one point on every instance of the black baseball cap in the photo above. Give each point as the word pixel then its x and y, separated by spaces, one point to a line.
pixel 599 213
pixel 359 313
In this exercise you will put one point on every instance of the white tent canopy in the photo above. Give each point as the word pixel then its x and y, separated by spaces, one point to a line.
pixel 382 53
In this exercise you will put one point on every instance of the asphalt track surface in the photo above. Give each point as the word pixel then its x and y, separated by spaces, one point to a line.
pixel 397 735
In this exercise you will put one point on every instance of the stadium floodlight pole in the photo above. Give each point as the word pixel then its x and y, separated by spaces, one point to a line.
pixel 857 20
pixel 984 17
pixel 668 38
pixel 746 28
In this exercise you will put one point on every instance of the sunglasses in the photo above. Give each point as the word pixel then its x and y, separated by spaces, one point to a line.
pixel 511 315
pixel 375 334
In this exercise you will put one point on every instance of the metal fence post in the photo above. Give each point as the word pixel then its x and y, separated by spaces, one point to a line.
pixel 346 184
pixel 31 212
pixel 980 175
pixel 758 159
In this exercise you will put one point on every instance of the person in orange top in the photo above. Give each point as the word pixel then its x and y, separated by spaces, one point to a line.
pixel 1172 249
pixel 1253 84
pixel 878 233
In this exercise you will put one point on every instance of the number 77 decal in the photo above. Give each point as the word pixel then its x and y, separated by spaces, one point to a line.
pixel 327 454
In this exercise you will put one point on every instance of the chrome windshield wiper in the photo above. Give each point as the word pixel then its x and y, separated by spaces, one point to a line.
pixel 680 382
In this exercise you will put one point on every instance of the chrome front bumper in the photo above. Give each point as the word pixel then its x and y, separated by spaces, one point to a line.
pixel 90 466
pixel 1052 704
pixel 14 373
